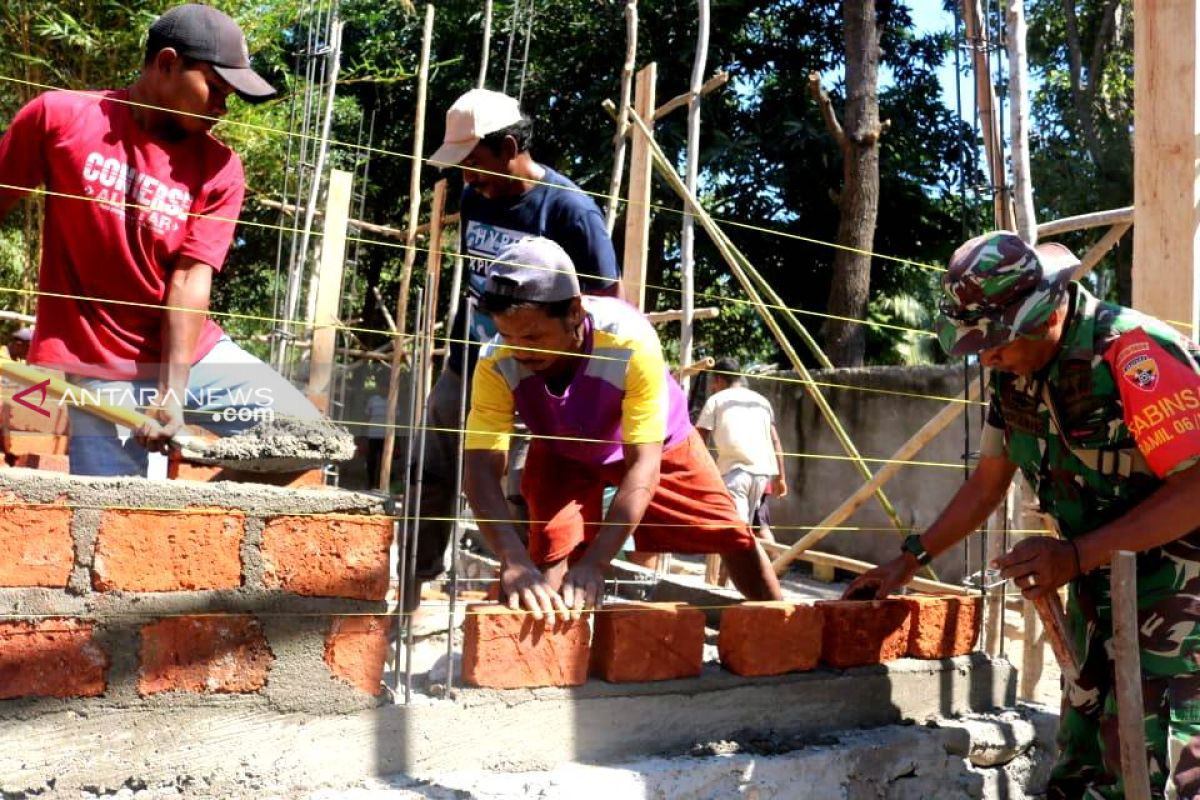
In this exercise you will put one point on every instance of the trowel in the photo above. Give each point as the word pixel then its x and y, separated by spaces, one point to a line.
pixel 248 456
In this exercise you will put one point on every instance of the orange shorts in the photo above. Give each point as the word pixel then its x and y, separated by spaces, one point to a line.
pixel 690 512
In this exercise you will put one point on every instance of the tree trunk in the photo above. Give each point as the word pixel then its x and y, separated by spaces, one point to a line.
pixel 845 340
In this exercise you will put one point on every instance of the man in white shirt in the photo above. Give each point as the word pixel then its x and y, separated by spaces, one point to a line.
pixel 741 424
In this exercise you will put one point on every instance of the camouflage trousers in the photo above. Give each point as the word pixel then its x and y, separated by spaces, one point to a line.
pixel 1089 762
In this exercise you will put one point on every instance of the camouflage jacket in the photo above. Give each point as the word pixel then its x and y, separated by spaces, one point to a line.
pixel 1066 431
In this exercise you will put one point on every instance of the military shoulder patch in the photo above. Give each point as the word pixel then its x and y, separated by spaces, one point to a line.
pixel 1160 398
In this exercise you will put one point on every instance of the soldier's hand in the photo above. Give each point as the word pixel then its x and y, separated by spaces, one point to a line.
pixel 883 580
pixel 1038 565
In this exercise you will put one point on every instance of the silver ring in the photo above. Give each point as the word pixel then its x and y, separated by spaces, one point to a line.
pixel 1032 580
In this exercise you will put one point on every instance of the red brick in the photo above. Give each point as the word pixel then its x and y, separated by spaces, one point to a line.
pixel 647 642
pixel 50 658
pixel 16 417
pixel 36 548
pixel 328 555
pixel 355 650
pixel 21 443
pixel 168 551
pixel 43 461
pixel 218 654
pixel 503 649
pixel 943 626
pixel 770 637
pixel 860 632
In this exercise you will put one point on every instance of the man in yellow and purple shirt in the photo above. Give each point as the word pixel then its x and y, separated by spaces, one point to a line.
pixel 587 376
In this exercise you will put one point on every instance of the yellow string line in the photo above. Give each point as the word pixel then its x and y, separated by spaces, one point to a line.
pixel 266 226
pixel 428 162
pixel 213 511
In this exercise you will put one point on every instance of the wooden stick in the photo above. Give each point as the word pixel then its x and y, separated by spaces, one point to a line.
pixel 1033 651
pixel 614 183
pixel 664 167
pixel 819 558
pixel 1049 609
pixel 1096 219
pixel 674 315
pixel 1127 655
pixel 434 262
pixel 679 101
pixel 1100 249
pixel 414 208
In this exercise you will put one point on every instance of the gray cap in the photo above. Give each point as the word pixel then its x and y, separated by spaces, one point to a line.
pixel 532 269
pixel 205 34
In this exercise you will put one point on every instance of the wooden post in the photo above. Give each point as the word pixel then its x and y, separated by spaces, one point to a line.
pixel 637 212
pixel 993 618
pixel 1033 652
pixel 1166 145
pixel 410 255
pixel 434 265
pixel 1127 655
pixel 329 287
pixel 687 236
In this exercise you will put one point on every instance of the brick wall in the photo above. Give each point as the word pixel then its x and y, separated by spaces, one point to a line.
pixel 126 592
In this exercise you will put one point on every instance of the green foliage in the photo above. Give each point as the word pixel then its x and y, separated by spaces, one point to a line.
pixel 767 162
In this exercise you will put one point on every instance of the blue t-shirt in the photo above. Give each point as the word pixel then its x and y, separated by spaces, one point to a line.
pixel 566 215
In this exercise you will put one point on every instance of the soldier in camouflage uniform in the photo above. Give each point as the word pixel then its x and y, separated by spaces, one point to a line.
pixel 1099 407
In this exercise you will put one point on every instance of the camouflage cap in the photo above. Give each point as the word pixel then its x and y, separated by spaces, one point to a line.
pixel 1000 288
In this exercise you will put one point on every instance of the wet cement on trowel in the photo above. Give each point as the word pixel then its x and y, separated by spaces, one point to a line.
pixel 279 445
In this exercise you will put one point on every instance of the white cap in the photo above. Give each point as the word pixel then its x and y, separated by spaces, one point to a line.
pixel 473 116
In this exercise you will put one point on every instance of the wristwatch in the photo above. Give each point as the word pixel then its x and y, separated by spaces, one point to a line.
pixel 912 544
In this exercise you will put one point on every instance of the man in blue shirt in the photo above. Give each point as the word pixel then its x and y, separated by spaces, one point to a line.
pixel 507 196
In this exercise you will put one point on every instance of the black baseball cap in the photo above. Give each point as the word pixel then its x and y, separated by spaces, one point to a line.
pixel 205 34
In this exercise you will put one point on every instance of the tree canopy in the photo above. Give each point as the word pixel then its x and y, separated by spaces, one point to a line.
pixel 769 168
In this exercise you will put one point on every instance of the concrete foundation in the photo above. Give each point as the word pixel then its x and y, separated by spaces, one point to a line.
pixel 212 744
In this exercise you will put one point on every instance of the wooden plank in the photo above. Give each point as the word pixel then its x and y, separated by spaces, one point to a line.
pixel 854 565
pixel 1127 655
pixel 1033 652
pixel 1100 249
pixel 637 211
pixel 1166 144
pixel 329 285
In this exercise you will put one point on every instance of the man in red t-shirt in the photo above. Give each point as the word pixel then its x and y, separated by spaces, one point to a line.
pixel 141 204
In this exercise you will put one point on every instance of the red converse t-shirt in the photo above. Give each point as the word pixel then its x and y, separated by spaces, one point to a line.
pixel 124 207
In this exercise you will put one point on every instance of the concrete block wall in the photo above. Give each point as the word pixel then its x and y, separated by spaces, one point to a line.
pixel 639 642
pixel 126 592
pixel 883 408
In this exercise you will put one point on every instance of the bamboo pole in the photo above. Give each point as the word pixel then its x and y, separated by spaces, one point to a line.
pixel 985 95
pixel 1131 728
pixel 1018 98
pixel 434 262
pixel 487 44
pixel 614 183
pixel 1100 249
pixel 414 208
pixel 687 241
pixel 918 440
pixel 668 172
pixel 1095 219
pixel 680 100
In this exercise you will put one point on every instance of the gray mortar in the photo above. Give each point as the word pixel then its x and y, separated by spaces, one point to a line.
pixel 287 619
pixel 219 744
pixel 277 444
